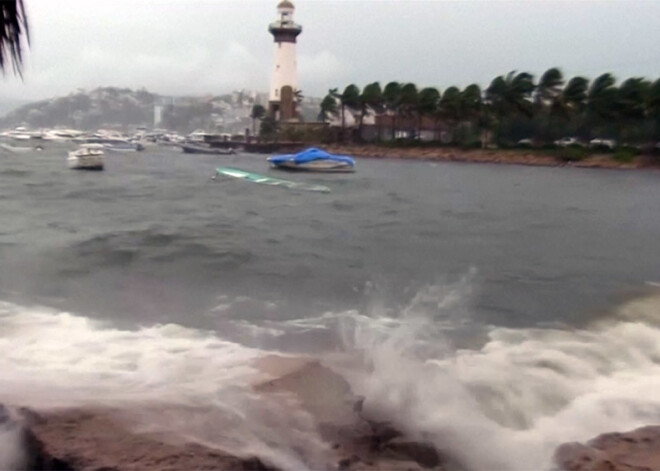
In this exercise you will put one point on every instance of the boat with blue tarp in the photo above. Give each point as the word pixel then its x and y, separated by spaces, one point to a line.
pixel 313 160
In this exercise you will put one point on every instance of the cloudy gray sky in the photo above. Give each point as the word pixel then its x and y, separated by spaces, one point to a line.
pixel 214 46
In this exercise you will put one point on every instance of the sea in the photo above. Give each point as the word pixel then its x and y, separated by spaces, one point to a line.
pixel 494 310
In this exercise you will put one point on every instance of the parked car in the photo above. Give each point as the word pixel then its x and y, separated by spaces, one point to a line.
pixel 568 141
pixel 610 144
pixel 525 143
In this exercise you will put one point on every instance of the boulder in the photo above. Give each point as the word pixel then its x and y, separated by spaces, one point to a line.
pixel 638 450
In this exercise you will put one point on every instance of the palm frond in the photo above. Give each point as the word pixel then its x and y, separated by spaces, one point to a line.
pixel 13 28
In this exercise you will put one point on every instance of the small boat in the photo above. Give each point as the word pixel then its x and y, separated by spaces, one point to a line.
pixel 123 146
pixel 19 149
pixel 201 149
pixel 87 157
pixel 264 180
pixel 313 160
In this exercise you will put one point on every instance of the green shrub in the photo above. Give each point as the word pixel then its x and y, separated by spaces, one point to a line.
pixel 624 155
pixel 572 154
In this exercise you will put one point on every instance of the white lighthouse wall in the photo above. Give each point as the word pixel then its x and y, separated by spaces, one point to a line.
pixel 284 70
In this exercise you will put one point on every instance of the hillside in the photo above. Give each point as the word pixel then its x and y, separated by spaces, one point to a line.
pixel 111 107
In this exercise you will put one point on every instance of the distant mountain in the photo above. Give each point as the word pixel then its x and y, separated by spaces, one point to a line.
pixel 9 104
pixel 123 108
pixel 98 108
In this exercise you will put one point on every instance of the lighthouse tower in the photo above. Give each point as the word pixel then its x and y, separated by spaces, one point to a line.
pixel 281 102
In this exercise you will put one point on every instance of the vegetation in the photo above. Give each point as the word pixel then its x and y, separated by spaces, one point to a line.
pixel 13 29
pixel 515 110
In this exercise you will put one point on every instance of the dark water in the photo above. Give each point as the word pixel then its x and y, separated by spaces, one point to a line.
pixel 152 239
pixel 409 262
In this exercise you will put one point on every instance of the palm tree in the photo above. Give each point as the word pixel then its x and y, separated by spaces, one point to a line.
pixel 549 87
pixel 392 101
pixel 450 108
pixel 471 104
pixel 258 112
pixel 349 98
pixel 13 28
pixel 328 107
pixel 547 90
pixel 570 104
pixel 653 108
pixel 427 104
pixel 408 100
pixel 509 96
pixel 602 99
pixel 371 98
pixel 631 107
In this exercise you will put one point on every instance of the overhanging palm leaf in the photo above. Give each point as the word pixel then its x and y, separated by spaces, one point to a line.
pixel 13 27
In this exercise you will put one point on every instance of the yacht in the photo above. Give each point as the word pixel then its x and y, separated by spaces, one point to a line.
pixel 86 157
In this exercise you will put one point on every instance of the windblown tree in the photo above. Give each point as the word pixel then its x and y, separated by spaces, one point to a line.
pixel 392 102
pixel 328 107
pixel 350 98
pixel 450 109
pixel 547 90
pixel 631 108
pixel 13 30
pixel 371 98
pixel 427 105
pixel 258 112
pixel 472 105
pixel 513 108
pixel 653 109
pixel 408 99
pixel 601 104
pixel 549 87
pixel 510 97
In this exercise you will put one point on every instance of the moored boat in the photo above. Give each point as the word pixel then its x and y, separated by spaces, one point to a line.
pixel 202 149
pixel 313 160
pixel 87 157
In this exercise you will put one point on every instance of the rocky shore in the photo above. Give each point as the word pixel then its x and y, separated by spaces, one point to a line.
pixel 101 439
pixel 499 156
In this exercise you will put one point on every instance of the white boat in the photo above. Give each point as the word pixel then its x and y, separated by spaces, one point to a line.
pixel 20 150
pixel 87 157
pixel 313 160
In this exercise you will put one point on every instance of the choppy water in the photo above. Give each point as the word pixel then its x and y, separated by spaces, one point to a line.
pixel 499 310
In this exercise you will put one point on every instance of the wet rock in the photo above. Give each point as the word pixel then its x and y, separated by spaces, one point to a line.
pixel 638 450
pixel 31 453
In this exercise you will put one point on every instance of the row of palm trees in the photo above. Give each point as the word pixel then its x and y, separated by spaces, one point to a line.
pixel 513 107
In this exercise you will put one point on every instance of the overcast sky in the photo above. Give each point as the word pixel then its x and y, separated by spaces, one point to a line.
pixel 214 46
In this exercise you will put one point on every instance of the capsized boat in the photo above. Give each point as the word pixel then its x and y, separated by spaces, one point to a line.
pixel 265 180
pixel 87 157
pixel 313 160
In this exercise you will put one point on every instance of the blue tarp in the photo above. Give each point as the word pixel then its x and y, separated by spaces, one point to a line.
pixel 309 155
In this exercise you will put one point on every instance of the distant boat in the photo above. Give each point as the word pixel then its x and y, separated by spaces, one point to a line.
pixel 313 160
pixel 201 149
pixel 87 157
pixel 19 149
pixel 114 144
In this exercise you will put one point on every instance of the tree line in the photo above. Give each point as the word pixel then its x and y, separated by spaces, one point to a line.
pixel 514 108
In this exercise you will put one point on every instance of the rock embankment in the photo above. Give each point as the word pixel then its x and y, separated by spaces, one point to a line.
pixel 97 439
pixel 499 156
pixel 638 450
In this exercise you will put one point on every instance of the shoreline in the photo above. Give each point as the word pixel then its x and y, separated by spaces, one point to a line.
pixel 493 156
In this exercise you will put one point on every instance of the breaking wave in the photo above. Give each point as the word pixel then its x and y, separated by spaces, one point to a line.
pixel 487 397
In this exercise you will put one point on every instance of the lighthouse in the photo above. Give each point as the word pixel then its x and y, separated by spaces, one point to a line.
pixel 281 101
